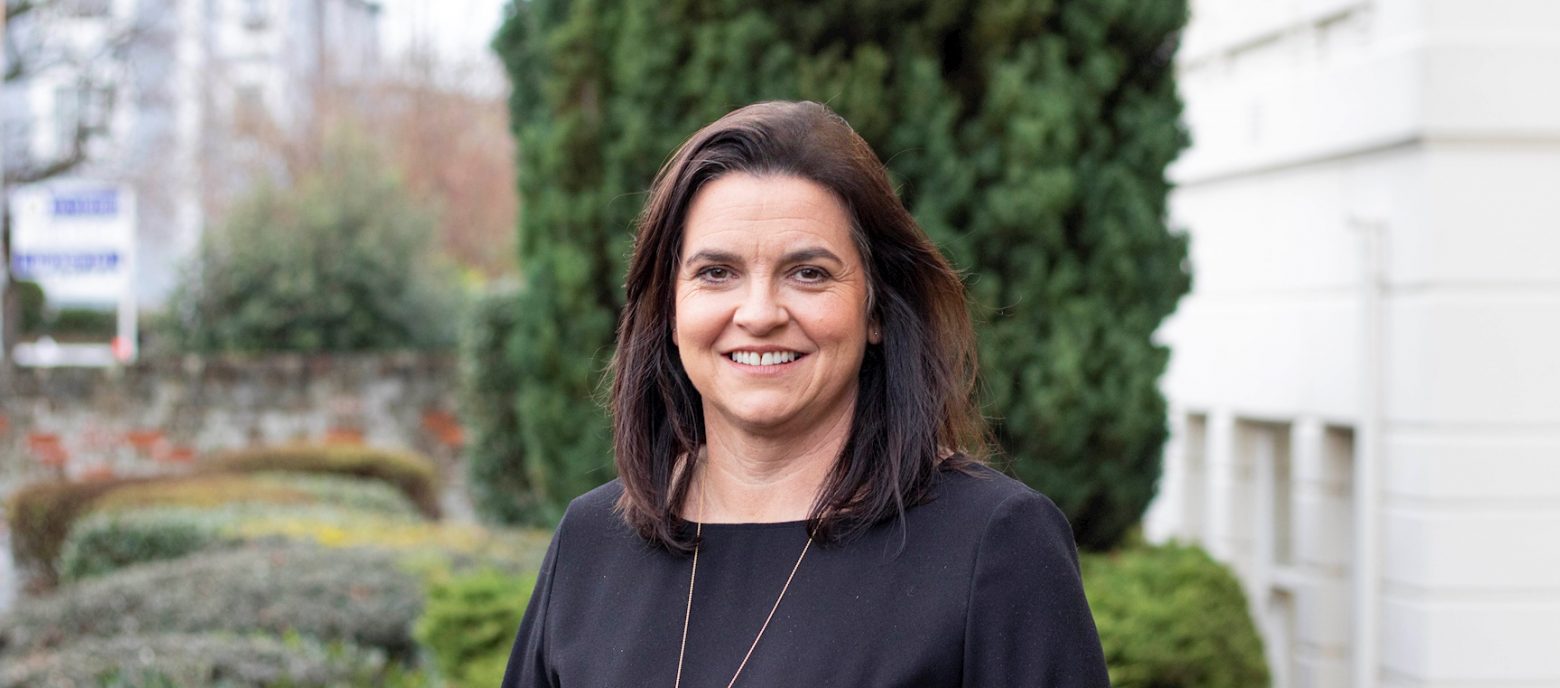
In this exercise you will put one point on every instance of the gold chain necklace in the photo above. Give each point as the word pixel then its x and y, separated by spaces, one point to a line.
pixel 688 611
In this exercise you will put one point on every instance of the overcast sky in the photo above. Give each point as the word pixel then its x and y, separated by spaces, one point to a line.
pixel 458 30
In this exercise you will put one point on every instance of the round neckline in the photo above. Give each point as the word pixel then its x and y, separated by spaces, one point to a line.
pixel 769 525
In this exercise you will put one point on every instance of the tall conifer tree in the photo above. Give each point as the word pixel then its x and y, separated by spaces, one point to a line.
pixel 1029 138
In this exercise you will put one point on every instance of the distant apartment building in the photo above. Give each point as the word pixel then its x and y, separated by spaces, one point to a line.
pixel 166 92
pixel 1365 379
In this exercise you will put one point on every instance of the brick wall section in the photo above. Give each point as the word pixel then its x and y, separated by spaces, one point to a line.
pixel 161 413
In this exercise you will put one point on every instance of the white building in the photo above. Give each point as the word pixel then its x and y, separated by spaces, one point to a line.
pixel 1365 379
pixel 165 108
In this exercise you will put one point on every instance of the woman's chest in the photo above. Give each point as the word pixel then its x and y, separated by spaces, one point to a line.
pixel 843 621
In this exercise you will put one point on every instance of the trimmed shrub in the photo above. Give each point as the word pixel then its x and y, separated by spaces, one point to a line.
pixel 261 488
pixel 101 543
pixel 41 516
pixel 109 541
pixel 411 473
pixel 469 624
pixel 174 659
pixel 351 595
pixel 1171 617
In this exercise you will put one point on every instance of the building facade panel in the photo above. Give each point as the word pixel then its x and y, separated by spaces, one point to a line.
pixel 1363 382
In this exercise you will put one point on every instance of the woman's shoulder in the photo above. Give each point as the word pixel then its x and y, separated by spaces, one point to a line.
pixel 979 494
pixel 594 509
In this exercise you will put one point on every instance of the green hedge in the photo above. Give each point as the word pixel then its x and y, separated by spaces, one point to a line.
pixel 102 543
pixel 1172 617
pixel 351 595
pixel 41 516
pixel 198 660
pixel 279 487
pixel 469 624
pixel 501 485
pixel 111 540
pixel 411 473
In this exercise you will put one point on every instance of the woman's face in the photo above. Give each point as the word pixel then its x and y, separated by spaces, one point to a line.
pixel 771 303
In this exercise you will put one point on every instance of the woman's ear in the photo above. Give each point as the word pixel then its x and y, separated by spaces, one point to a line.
pixel 874 333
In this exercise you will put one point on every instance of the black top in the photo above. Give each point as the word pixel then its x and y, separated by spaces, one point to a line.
pixel 977 587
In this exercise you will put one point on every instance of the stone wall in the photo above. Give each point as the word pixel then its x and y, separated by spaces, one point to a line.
pixel 158 414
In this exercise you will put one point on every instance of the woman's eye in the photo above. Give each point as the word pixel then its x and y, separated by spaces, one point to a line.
pixel 714 274
pixel 811 274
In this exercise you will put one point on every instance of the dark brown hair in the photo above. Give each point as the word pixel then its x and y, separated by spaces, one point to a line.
pixel 914 404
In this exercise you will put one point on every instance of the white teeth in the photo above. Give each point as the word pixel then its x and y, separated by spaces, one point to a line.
pixel 764 359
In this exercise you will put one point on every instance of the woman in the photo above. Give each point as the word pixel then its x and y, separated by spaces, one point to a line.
pixel 793 379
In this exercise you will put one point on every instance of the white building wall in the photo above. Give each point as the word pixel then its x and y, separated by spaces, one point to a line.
pixel 1365 380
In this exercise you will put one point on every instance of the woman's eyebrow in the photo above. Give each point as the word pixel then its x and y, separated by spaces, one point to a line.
pixel 712 256
pixel 797 256
pixel 810 254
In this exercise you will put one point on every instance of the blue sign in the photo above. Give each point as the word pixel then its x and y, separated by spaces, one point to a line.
pixel 32 264
pixel 87 203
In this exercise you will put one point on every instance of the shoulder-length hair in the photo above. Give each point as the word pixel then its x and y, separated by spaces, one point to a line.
pixel 915 399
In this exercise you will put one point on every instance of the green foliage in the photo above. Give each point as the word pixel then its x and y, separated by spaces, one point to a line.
pixel 342 260
pixel 351 595
pixel 414 475
pixel 469 623
pixel 1172 617
pixel 31 302
pixel 495 467
pixel 1030 140
pixel 112 540
pixel 42 516
pixel 181 660
pixel 261 488
pixel 107 542
pixel 83 324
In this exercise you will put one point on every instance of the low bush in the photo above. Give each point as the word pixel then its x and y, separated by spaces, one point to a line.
pixel 353 595
pixel 413 474
pixel 102 543
pixel 1171 617
pixel 269 488
pixel 469 623
pixel 41 516
pixel 110 540
pixel 175 659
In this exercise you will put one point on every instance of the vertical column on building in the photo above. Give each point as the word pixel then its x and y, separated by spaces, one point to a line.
pixel 1323 503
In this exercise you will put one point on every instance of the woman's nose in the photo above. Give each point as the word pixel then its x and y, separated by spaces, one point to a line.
pixel 760 310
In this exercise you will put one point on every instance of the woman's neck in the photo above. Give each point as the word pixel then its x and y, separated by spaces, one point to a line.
pixel 750 478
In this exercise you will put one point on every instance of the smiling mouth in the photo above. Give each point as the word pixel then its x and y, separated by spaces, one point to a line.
pixel 768 358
